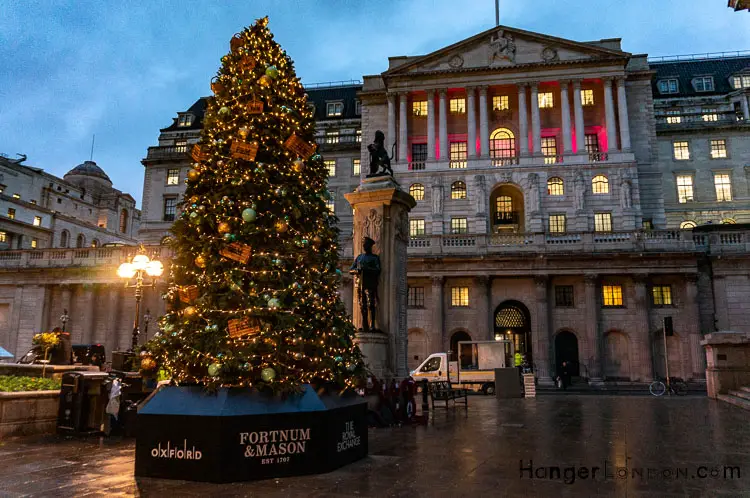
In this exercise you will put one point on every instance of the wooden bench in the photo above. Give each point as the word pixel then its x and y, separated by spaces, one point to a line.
pixel 442 391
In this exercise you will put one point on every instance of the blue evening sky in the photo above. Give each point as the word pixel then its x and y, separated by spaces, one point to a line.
pixel 122 69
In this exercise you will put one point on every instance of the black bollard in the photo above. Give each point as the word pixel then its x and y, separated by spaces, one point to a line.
pixel 425 400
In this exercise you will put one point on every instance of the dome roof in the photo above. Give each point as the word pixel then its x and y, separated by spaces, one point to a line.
pixel 88 168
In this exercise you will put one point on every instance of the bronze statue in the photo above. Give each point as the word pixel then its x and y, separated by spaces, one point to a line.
pixel 366 268
pixel 380 163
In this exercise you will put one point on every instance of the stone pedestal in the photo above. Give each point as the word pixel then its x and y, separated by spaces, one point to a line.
pixel 381 212
pixel 727 361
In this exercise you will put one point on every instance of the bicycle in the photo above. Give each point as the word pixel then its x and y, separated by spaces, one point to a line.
pixel 676 386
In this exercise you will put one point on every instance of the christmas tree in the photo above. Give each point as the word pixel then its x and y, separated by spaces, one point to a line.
pixel 253 298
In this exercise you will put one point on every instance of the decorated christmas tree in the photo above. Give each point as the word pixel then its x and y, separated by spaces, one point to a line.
pixel 253 298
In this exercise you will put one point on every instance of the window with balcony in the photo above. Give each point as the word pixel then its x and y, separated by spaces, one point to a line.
pixel 587 97
pixel 458 190
pixel 416 190
pixel 332 137
pixel 34 243
pixel 500 103
pixel 555 186
pixel 723 185
pixel 684 188
pixel 330 165
pixel 668 86
pixel 592 147
pixel 564 296
pixel 602 222
pixel 458 155
pixel 612 295
pixel 416 227
pixel 185 120
pixel 457 105
pixel 418 156
pixel 180 146
pixel 356 167
pixel 170 208
pixel 680 150
pixel 459 225
pixel 3 236
pixel 460 297
pixel 415 297
pixel 504 204
pixel 600 185
pixel 742 81
pixel 557 223
pixel 419 108
pixel 64 239
pixel 709 114
pixel 688 225
pixel 546 100
pixel 334 109
pixel 37 221
pixel 502 146
pixel 549 149
pixel 703 84
pixel 661 295
pixel 718 148
pixel 173 176
pixel 11 214
pixel 673 116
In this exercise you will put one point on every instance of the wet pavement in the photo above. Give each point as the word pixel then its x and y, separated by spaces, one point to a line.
pixel 642 446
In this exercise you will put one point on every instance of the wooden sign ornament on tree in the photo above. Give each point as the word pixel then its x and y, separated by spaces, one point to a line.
pixel 241 327
pixel 298 146
pixel 197 154
pixel 244 150
pixel 237 251
pixel 188 294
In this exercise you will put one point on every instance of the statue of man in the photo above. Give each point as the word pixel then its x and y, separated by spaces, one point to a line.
pixel 366 268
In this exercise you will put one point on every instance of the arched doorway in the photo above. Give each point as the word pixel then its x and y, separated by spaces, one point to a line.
pixel 417 348
pixel 566 349
pixel 616 356
pixel 513 322
pixel 455 339
pixel 506 206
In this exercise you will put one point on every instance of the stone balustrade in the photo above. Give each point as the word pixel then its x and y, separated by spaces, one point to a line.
pixel 84 257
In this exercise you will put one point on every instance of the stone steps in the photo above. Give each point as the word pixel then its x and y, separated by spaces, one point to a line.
pixel 735 400
pixel 742 393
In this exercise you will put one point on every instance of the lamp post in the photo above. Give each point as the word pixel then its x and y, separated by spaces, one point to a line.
pixel 146 319
pixel 64 319
pixel 140 264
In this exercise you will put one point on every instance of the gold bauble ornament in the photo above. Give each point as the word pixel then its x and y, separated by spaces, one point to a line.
pixel 298 165
pixel 317 240
pixel 281 226
pixel 265 81
pixel 224 227
pixel 148 364
pixel 193 175
pixel 243 132
pixel 189 312
pixel 200 262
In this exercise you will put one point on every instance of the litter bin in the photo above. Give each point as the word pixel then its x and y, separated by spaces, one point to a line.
pixel 83 399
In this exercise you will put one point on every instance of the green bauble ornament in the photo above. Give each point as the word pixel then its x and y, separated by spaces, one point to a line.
pixel 338 359
pixel 274 303
pixel 272 72
pixel 193 215
pixel 214 369
pixel 230 237
pixel 224 110
pixel 268 374
pixel 249 215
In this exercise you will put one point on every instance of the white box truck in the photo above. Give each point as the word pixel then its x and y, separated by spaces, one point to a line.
pixel 475 368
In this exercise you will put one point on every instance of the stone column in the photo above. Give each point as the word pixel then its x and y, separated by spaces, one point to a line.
pixel 484 331
pixel 622 113
pixel 403 136
pixel 523 124
pixel 692 309
pixel 541 344
pixel 115 328
pixel 382 213
pixel 88 317
pixel 430 125
pixel 596 348
pixel 745 107
pixel 565 110
pixel 437 309
pixel 609 112
pixel 471 121
pixel 641 350
pixel 720 297
pixel 536 124
pixel 578 115
pixel 484 124
pixel 443 124
pixel 66 297
pixel 391 138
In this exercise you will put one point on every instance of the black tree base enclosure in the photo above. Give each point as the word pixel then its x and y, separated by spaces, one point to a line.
pixel 238 434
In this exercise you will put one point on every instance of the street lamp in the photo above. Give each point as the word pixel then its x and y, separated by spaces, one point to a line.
pixel 139 265
pixel 64 319
pixel 146 319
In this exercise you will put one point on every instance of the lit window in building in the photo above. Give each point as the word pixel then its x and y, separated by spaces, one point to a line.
pixel 460 296
pixel 416 227
pixel 95 243
pixel 415 297
pixel 684 188
pixel 173 176
pixel 557 223
pixel 330 165
pixel 458 190
pixel 2 189
pixel 331 205
pixel 185 120
pixel 673 116
pixel 416 190
pixel 124 221
pixel 418 156
pixel 37 221
pixel 602 222
pixel 681 150
pixel 502 145
pixel 704 84
pixel 723 185
pixel 546 100
pixel 728 221
pixel 662 295
pixel 170 208
pixel 334 109
pixel 549 149
pixel 458 154
pixel 668 86
pixel 592 143
pixel 33 201
pixel 180 146
pixel 332 137
pixel 419 108
pixel 3 237
pixel 16 196
pixel 709 114
pixel 358 136
pixel 741 82
pixel 459 225
pixel 458 105
pixel 555 186
pixel 500 103
pixel 564 296
pixel 356 167
pixel 612 295
pixel 587 97
pixel 504 204
pixel 34 243
pixel 11 213
pixel 688 225
pixel 600 185
pixel 718 148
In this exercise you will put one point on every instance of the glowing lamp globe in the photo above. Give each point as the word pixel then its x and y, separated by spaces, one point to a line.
pixel 154 268
pixel 140 261
pixel 126 270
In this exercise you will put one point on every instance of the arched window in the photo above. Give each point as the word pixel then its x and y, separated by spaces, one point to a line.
pixel 80 241
pixel 688 225
pixel 124 221
pixel 728 221
pixel 95 243
pixel 600 185
pixel 502 146
pixel 416 190
pixel 64 239
pixel 458 190
pixel 555 186
pixel 166 240
pixel 504 204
